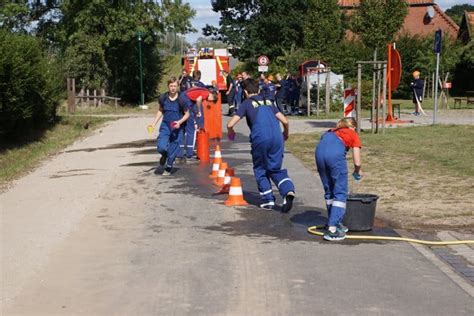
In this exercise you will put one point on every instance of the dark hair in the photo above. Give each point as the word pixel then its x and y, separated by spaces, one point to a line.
pixel 197 75
pixel 250 85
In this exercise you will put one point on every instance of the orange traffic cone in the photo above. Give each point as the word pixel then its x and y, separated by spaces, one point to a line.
pixel 236 196
pixel 217 152
pixel 221 174
pixel 229 173
pixel 215 168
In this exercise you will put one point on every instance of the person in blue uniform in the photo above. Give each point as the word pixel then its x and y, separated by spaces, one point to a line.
pixel 268 90
pixel 192 99
pixel 330 156
pixel 184 81
pixel 267 143
pixel 174 114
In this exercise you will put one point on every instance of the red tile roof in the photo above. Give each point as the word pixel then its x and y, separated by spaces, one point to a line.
pixel 416 21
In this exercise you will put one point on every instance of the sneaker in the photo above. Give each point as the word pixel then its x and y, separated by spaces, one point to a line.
pixel 167 171
pixel 336 236
pixel 288 202
pixel 342 228
pixel 163 159
pixel 268 206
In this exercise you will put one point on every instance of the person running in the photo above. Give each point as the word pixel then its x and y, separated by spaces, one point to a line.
pixel 239 91
pixel 417 86
pixel 330 156
pixel 267 143
pixel 174 114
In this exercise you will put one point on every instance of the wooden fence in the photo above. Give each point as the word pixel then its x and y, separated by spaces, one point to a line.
pixel 85 98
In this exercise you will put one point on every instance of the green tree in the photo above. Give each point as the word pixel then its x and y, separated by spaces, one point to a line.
pixel 259 26
pixel 456 12
pixel 376 22
pixel 323 27
pixel 30 83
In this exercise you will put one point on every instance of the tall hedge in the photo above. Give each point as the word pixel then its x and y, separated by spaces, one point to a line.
pixel 30 90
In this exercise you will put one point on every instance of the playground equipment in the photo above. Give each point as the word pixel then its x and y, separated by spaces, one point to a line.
pixel 389 81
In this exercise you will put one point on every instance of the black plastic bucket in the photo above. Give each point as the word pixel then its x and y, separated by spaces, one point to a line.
pixel 360 211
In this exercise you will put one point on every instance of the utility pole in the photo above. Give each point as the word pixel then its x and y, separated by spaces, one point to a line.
pixel 437 50
pixel 142 96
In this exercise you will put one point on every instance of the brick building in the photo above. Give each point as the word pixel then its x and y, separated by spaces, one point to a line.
pixel 418 20
pixel 466 28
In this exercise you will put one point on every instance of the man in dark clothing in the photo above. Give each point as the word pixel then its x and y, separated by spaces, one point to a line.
pixel 230 93
pixel 185 81
pixel 417 86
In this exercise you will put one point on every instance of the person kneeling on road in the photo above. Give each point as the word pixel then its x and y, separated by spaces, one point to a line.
pixel 174 115
pixel 330 156
pixel 267 142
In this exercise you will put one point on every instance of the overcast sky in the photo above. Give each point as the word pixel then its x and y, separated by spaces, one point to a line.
pixel 205 15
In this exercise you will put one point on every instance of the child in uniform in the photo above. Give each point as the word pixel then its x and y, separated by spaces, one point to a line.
pixel 174 115
pixel 330 156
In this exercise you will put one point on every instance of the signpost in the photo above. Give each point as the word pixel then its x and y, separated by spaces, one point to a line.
pixel 263 62
pixel 437 51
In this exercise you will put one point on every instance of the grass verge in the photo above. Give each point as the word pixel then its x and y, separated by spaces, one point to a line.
pixel 424 175
pixel 19 157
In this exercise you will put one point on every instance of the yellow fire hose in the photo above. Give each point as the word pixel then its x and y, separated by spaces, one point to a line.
pixel 314 230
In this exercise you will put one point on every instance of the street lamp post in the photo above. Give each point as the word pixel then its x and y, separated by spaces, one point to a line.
pixel 142 96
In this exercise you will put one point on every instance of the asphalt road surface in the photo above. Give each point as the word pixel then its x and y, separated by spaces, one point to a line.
pixel 97 230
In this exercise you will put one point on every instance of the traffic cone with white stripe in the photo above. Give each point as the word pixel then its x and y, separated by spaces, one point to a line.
pixel 229 173
pixel 236 195
pixel 216 162
pixel 221 174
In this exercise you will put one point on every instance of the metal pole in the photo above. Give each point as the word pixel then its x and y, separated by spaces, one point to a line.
pixel 359 93
pixel 433 83
pixel 436 90
pixel 308 95
pixel 384 97
pixel 317 93
pixel 328 91
pixel 142 99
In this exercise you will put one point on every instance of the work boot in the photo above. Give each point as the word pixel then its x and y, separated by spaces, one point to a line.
pixel 192 160
pixel 163 159
pixel 288 202
pixel 268 205
pixel 167 171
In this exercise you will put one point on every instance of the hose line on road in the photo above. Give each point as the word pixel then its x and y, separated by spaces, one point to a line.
pixel 314 230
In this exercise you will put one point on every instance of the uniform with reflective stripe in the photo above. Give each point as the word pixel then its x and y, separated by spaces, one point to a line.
pixel 331 162
pixel 267 152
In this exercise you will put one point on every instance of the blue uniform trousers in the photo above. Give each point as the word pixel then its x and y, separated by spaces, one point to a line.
pixel 267 158
pixel 168 142
pixel 189 139
pixel 331 162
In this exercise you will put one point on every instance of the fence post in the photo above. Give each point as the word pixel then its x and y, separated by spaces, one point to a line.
pixel 359 93
pixel 71 95
pixel 328 90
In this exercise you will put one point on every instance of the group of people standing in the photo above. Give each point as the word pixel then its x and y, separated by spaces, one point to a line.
pixel 182 111
pixel 285 92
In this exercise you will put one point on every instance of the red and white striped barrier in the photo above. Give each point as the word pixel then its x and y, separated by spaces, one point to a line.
pixel 349 102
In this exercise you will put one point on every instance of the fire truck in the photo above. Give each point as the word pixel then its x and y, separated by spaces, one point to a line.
pixel 211 62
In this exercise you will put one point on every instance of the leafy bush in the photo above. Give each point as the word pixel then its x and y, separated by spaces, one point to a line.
pixel 29 86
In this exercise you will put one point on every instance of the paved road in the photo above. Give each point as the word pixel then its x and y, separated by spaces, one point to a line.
pixel 98 231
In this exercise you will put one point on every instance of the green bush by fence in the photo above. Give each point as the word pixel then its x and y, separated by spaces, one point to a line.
pixel 30 88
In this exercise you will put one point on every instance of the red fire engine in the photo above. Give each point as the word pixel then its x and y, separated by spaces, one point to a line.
pixel 211 62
